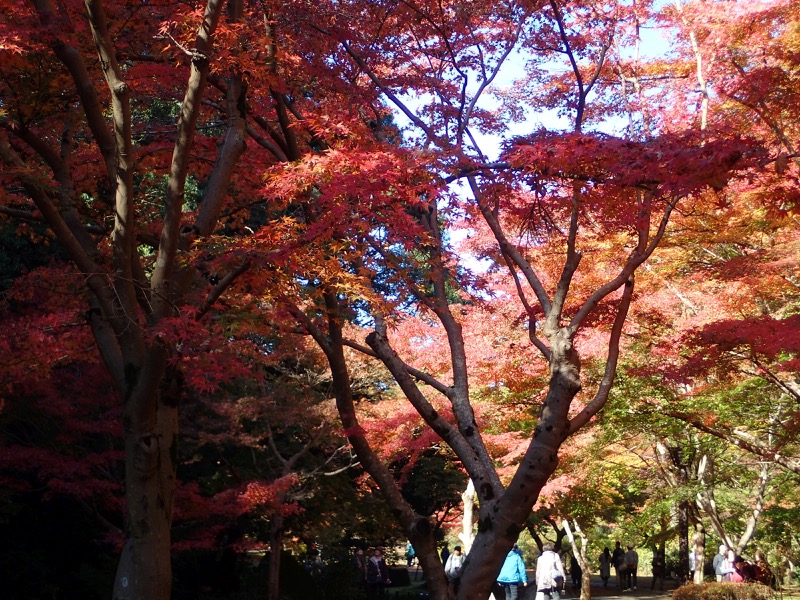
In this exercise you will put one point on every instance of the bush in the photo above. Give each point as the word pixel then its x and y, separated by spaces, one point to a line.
pixel 724 591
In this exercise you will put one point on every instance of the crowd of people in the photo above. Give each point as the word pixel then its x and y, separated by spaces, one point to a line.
pixel 731 567
pixel 373 573
pixel 728 566
pixel 625 564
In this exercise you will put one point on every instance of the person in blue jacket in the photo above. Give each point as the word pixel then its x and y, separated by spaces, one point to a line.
pixel 512 575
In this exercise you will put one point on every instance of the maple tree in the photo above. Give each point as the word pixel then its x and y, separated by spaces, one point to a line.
pixel 284 428
pixel 717 303
pixel 569 194
pixel 59 456
pixel 364 158
pixel 731 275
pixel 746 248
pixel 60 447
pixel 87 151
pixel 60 450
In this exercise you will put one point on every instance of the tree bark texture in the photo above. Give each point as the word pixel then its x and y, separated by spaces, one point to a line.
pixel 122 305
pixel 275 549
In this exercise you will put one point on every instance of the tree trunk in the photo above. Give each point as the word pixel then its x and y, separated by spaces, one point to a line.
pixel 683 541
pixel 151 434
pixel 586 583
pixel 501 521
pixel 121 308
pixel 467 536
pixel 418 529
pixel 581 555
pixel 275 547
pixel 699 554
pixel 705 502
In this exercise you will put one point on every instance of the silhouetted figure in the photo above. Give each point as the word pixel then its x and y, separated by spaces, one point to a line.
pixel 618 559
pixel 575 572
pixel 659 567
pixel 605 566
pixel 377 576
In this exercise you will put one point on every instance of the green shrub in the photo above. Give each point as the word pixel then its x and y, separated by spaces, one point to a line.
pixel 724 591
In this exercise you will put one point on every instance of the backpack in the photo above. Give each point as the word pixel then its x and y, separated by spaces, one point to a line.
pixel 557 576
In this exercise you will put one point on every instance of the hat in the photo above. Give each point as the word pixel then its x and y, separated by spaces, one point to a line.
pixel 722 548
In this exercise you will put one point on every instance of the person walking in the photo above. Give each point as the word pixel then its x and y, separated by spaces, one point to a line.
pixel 377 576
pixel 410 554
pixel 605 566
pixel 659 569
pixel 618 560
pixel 360 566
pixel 549 574
pixel 452 568
pixel 632 564
pixel 512 575
pixel 575 572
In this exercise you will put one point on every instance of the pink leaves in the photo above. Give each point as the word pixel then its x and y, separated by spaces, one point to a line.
pixel 671 165
pixel 269 495
pixel 766 336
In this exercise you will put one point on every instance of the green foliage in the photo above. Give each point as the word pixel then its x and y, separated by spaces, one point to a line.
pixel 153 189
pixel 434 483
pixel 639 416
pixel 20 252
pixel 723 591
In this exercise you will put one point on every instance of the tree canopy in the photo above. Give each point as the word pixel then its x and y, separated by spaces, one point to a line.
pixel 263 254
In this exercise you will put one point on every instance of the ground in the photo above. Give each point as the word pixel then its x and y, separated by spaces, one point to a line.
pixel 416 588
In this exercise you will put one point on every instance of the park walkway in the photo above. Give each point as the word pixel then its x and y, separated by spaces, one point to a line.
pixel 643 589
pixel 642 592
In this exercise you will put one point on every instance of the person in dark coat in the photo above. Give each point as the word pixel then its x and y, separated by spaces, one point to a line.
pixel 377 576
pixel 744 569
pixel 445 554
pixel 575 572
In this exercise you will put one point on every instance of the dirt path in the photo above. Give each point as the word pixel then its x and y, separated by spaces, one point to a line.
pixel 643 590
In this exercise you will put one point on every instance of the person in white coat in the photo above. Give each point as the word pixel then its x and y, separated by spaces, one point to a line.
pixel 453 566
pixel 719 558
pixel 549 574
pixel 727 566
